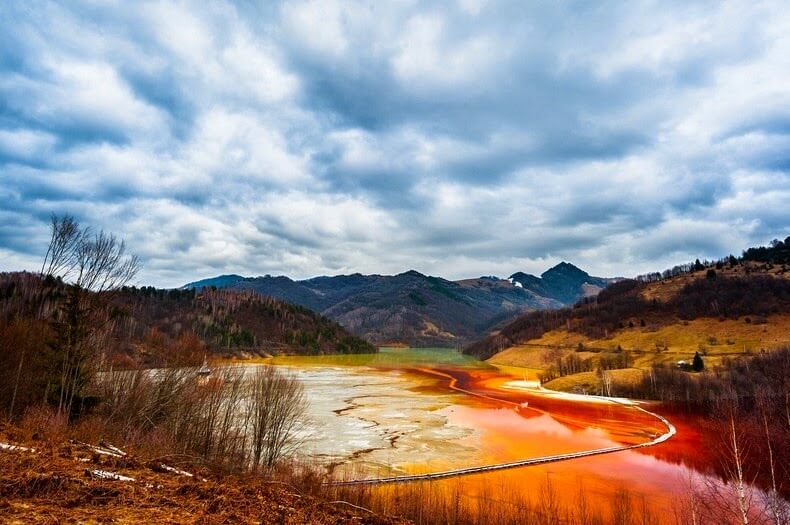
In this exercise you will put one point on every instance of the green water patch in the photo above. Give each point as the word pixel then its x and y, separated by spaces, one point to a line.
pixel 390 358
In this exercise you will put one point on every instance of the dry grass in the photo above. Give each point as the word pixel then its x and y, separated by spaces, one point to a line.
pixel 536 354
pixel 589 382
pixel 55 484
pixel 715 339
pixel 470 502
pixel 680 340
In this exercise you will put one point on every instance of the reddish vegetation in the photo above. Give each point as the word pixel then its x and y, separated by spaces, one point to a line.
pixel 61 481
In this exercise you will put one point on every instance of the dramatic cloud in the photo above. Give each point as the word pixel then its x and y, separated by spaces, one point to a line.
pixel 323 137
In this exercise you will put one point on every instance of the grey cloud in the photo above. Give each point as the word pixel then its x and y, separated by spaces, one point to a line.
pixel 262 138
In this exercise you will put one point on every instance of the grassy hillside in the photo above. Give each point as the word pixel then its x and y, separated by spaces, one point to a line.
pixel 721 310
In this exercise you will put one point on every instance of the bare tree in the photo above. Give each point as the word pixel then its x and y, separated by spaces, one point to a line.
pixel 276 405
pixel 95 263
pixel 550 503
pixel 621 507
pixel 583 512
pixel 606 383
pixel 742 497
pixel 687 508
pixel 777 509
pixel 101 263
pixel 734 498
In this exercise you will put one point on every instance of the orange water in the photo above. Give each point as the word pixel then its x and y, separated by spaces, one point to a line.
pixel 520 424
pixel 513 424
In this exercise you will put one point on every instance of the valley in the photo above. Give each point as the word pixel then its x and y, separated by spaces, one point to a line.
pixel 321 262
pixel 643 401
pixel 430 414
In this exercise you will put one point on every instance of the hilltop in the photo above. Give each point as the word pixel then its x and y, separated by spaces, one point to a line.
pixel 418 309
pixel 719 309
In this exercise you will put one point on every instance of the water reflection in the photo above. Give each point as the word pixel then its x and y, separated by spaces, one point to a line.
pixel 412 411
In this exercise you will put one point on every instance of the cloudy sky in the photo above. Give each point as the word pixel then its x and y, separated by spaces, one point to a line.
pixel 458 139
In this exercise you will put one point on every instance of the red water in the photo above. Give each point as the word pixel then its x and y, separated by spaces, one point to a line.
pixel 518 424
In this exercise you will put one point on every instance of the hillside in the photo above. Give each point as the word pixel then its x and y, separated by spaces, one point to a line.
pixel 228 321
pixel 418 309
pixel 159 325
pixel 46 476
pixel 720 310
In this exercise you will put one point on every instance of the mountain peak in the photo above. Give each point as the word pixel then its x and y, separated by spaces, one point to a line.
pixel 565 269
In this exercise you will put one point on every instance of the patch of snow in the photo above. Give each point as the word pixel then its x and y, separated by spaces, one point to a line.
pixel 99 450
pixel 8 446
pixel 103 474
pixel 176 471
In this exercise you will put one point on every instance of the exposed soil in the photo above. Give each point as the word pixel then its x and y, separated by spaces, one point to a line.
pixel 71 482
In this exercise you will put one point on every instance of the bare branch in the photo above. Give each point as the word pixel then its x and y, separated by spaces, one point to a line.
pixel 64 239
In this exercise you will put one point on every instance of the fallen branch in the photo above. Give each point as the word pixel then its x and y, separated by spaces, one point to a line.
pixel 112 448
pixel 180 472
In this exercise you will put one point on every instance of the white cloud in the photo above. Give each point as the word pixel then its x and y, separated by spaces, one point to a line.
pixel 319 25
pixel 425 60
pixel 324 136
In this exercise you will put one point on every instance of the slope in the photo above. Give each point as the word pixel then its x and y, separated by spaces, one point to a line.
pixel 157 325
pixel 719 309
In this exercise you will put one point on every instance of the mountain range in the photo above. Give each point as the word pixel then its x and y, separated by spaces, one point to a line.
pixel 417 309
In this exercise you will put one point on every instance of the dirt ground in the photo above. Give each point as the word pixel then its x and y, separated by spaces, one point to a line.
pixel 72 482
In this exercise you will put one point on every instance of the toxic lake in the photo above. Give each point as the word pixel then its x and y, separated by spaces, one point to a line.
pixel 403 412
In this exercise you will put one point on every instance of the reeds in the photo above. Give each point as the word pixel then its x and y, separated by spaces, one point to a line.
pixel 232 420
pixel 468 501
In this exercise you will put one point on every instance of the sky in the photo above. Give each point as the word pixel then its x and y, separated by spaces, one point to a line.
pixel 458 139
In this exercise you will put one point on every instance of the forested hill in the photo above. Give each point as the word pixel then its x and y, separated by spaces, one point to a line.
pixel 229 321
pixel 154 325
pixel 749 289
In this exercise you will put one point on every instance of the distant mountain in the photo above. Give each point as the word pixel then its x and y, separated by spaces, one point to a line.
pixel 418 309
pixel 564 283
